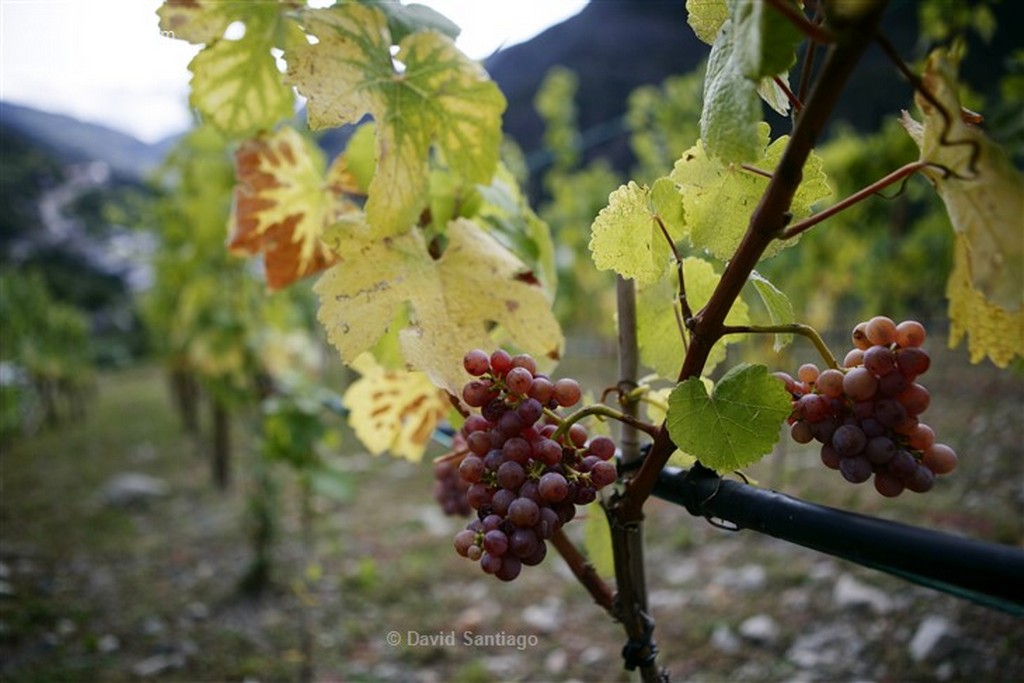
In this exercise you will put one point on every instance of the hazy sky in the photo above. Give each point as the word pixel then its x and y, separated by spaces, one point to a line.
pixel 105 60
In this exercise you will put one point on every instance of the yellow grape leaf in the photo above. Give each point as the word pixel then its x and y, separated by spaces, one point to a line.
pixel 626 237
pixel 991 331
pixel 706 17
pixel 393 410
pixel 719 199
pixel 983 192
pixel 427 94
pixel 453 300
pixel 197 21
pixel 283 205
pixel 658 323
pixel 236 84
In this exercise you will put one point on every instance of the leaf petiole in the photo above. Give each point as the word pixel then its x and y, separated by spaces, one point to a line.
pixel 791 328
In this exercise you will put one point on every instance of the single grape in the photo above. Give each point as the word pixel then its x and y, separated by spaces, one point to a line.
pixel 791 384
pixel 910 334
pixel 493 410
pixel 854 358
pixel 552 487
pixel 603 473
pixel 519 380
pixel 859 336
pixel 890 412
pixel 939 458
pixel 501 500
pixel 872 427
pixel 602 447
pixel 915 399
pixel 849 440
pixel 859 384
pixel 530 411
pixel 472 469
pixel 542 389
pixel 495 542
pixel 474 552
pixel 477 393
pixel 538 555
pixel 802 432
pixel 893 384
pixel 523 512
pixel 525 360
pixel 517 449
pixel 548 451
pixel 921 481
pixel 812 407
pixel 829 457
pixel 511 476
pixel 921 438
pixel 509 569
pixel 501 362
pixel 888 485
pixel 855 470
pixel 586 495
pixel 567 392
pixel 880 450
pixel 912 362
pixel 523 542
pixel 880 330
pixel 479 442
pixel 463 541
pixel 478 496
pixel 476 423
pixel 902 465
pixel 530 490
pixel 577 435
pixel 476 362
pixel 830 383
pixel 492 522
pixel 824 429
pixel 808 372
pixel 491 564
pixel 879 360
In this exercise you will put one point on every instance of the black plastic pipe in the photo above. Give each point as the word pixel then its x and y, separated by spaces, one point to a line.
pixel 987 573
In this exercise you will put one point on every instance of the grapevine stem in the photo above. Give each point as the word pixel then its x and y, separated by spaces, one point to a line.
pixel 756 171
pixel 860 195
pixel 583 570
pixel 793 99
pixel 601 410
pixel 792 328
pixel 848 42
pixel 683 303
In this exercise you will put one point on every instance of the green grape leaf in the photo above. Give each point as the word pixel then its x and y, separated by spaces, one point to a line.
pixel 780 310
pixel 732 109
pixel 984 197
pixel 752 46
pixel 236 84
pixel 736 425
pixel 508 212
pixel 659 318
pixel 359 156
pixel 626 236
pixel 453 300
pixel 406 19
pixel 428 94
pixel 597 543
pixel 719 198
pixel 706 17
pixel 765 40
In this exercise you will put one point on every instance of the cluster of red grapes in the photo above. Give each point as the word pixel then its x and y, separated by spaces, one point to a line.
pixel 866 415
pixel 523 472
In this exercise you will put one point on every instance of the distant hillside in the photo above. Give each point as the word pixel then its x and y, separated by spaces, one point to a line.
pixel 77 141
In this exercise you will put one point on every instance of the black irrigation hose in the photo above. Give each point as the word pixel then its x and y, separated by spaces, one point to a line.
pixel 987 573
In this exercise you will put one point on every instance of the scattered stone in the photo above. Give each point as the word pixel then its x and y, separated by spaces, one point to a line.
pixel 826 647
pixel 547 616
pixel 434 521
pixel 724 640
pixel 851 593
pixel 934 638
pixel 108 643
pixel 197 611
pixel 681 572
pixel 592 655
pixel 556 661
pixel 668 599
pixel 65 627
pixel 153 626
pixel 154 665
pixel 5 572
pixel 749 577
pixel 760 629
pixel 6 589
pixel 132 488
